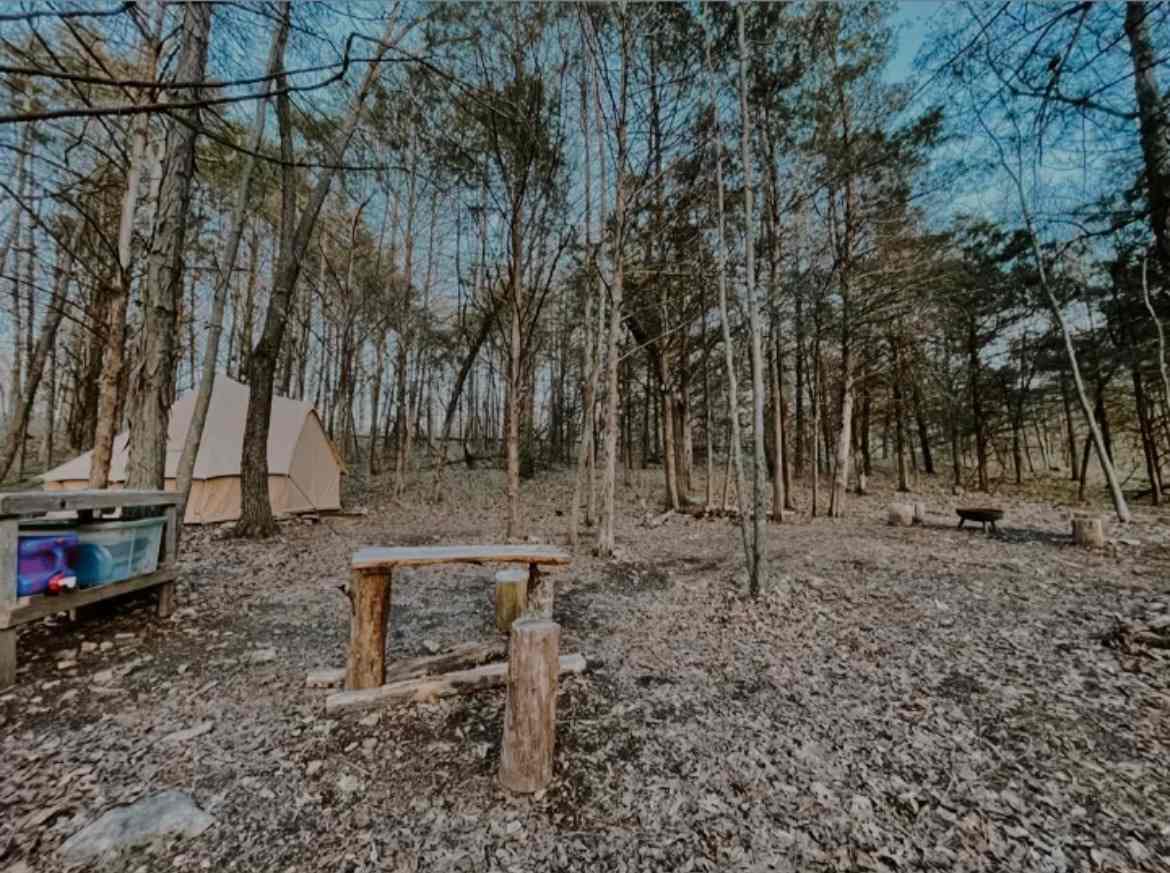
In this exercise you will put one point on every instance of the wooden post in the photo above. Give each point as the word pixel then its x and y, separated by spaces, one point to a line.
pixel 511 597
pixel 1088 531
pixel 9 541
pixel 370 598
pixel 541 593
pixel 526 757
pixel 166 591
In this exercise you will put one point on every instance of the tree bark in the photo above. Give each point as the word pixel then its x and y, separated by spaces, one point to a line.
pixel 153 378
pixel 1153 123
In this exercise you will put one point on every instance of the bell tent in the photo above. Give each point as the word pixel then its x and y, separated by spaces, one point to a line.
pixel 304 472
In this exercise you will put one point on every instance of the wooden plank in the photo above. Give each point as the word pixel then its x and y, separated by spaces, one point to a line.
pixel 459 657
pixel 374 558
pixel 28 609
pixel 166 600
pixel 171 535
pixel 40 502
pixel 9 541
pixel 431 688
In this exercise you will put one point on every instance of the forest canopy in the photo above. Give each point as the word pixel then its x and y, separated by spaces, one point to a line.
pixel 605 236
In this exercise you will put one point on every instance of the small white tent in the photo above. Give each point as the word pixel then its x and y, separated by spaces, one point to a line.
pixel 304 472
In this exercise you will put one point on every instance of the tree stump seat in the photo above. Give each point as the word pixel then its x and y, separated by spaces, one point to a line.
pixel 985 515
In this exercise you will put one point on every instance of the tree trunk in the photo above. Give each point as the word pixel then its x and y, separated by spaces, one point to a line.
pixel 256 509
pixel 1153 123
pixel 606 535
pixel 109 411
pixel 18 424
pixel 734 459
pixel 758 564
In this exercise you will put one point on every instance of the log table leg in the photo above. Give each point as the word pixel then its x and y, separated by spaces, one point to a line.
pixel 511 597
pixel 370 598
pixel 526 757
pixel 541 592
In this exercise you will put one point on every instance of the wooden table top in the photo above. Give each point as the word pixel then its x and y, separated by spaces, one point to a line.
pixel 376 558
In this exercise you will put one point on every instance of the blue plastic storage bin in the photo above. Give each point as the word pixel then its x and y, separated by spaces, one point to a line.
pixel 111 551
pixel 41 558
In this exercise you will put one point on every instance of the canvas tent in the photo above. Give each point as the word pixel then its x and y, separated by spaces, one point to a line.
pixel 304 472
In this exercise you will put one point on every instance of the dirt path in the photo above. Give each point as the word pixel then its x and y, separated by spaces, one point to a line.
pixel 909 698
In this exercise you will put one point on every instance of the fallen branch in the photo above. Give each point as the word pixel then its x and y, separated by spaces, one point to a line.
pixel 427 690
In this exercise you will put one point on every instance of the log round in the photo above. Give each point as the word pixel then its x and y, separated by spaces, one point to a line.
pixel 511 597
pixel 901 515
pixel 370 596
pixel 1088 531
pixel 526 757
pixel 919 512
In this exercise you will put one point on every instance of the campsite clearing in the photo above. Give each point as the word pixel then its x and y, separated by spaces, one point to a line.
pixel 921 694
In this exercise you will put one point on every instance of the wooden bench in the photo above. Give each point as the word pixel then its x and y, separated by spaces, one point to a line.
pixel 15 610
pixel 371 585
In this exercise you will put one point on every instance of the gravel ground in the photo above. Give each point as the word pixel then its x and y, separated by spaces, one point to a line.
pixel 898 698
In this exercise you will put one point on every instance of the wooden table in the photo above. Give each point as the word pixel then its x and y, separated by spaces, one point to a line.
pixel 370 593
pixel 15 610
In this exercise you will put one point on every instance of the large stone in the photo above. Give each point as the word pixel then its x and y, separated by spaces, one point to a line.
pixel 169 814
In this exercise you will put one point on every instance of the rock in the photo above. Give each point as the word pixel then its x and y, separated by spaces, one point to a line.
pixel 314 768
pixel 89 647
pixel 348 784
pixel 171 813
pixel 106 646
pixel 431 646
pixel 204 727
pixel 262 656
pixel 860 807
pixel 103 677
pixel 124 637
pixel 371 720
pixel 66 665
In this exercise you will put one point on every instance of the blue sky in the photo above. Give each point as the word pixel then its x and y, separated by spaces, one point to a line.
pixel 911 20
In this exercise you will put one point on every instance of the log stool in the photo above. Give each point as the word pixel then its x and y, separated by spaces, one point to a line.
pixel 1088 530
pixel 530 713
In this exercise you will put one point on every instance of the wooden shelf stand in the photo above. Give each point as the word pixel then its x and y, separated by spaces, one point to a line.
pixel 15 610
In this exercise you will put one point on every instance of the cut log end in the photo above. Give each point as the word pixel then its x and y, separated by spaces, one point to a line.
pixel 1088 531
pixel 900 515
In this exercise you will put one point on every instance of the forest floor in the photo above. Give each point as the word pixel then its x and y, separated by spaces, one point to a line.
pixel 897 698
